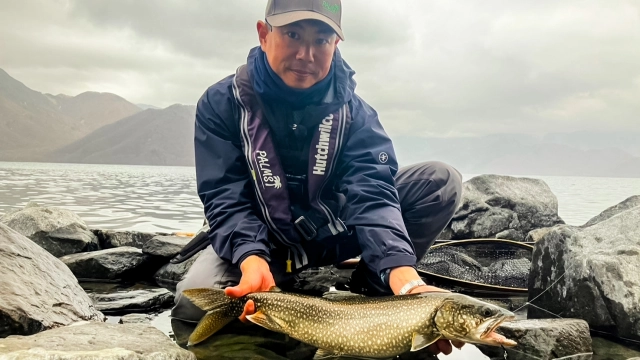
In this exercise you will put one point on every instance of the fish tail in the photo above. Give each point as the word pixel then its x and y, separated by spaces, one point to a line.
pixel 220 309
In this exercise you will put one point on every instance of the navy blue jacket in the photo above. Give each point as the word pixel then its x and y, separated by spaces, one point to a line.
pixel 372 207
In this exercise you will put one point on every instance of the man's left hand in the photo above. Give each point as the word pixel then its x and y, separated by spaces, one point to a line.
pixel 400 276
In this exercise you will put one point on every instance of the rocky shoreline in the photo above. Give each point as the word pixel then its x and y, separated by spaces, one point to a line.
pixel 585 274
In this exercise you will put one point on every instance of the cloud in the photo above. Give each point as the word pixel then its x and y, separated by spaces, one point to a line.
pixel 436 68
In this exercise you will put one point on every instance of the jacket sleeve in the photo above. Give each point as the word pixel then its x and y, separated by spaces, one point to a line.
pixel 223 181
pixel 367 168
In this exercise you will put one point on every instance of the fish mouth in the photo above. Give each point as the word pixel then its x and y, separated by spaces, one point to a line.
pixel 490 337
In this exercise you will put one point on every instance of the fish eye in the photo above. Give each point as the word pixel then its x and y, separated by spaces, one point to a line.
pixel 487 312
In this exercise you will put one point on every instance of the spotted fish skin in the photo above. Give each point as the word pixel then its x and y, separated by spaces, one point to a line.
pixel 374 327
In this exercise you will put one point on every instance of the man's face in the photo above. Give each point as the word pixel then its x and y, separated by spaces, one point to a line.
pixel 301 52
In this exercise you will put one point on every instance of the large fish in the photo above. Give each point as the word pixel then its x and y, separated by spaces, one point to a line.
pixel 371 327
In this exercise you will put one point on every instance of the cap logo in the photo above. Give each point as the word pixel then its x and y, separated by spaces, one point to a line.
pixel 329 7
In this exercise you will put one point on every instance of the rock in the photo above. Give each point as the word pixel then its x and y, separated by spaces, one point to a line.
pixel 111 264
pixel 38 291
pixel 543 339
pixel 537 234
pixel 627 204
pixel 169 275
pixel 133 301
pixel 609 350
pixel 503 206
pixel 59 231
pixel 591 273
pixel 135 319
pixel 165 246
pixel 112 239
pixel 95 341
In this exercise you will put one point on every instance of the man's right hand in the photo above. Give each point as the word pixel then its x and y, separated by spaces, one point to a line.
pixel 256 276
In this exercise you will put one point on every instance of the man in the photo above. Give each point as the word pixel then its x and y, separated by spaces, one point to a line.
pixel 295 170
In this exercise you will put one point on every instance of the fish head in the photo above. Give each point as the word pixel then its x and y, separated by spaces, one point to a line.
pixel 464 318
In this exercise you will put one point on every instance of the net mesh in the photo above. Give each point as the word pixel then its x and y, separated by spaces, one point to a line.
pixel 488 263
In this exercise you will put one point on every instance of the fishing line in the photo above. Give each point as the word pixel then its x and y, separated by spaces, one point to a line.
pixel 539 358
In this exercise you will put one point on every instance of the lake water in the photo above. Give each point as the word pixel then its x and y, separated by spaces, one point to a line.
pixel 164 199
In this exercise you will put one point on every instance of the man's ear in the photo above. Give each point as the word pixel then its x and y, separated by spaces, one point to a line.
pixel 263 31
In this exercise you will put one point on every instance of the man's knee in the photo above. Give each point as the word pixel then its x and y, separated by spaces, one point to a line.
pixel 428 184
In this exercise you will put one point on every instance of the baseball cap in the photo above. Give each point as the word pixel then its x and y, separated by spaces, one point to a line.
pixel 283 12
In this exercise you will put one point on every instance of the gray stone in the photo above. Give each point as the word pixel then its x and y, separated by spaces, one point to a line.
pixel 59 231
pixel 627 204
pixel 111 264
pixel 502 206
pixel 544 339
pixel 135 319
pixel 112 238
pixel 94 341
pixel 165 246
pixel 169 275
pixel 537 234
pixel 590 273
pixel 133 301
pixel 38 291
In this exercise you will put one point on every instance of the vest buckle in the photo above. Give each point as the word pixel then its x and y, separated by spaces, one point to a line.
pixel 306 228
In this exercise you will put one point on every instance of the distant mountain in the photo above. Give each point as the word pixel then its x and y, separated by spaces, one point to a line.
pixel 147 106
pixel 151 137
pixel 32 124
pixel 519 154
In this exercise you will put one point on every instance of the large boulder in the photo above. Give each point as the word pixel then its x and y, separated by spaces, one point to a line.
pixel 123 263
pixel 59 231
pixel 544 339
pixel 165 246
pixel 495 206
pixel 113 238
pixel 625 205
pixel 95 341
pixel 590 273
pixel 38 291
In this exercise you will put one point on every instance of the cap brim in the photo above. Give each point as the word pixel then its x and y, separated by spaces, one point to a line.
pixel 293 16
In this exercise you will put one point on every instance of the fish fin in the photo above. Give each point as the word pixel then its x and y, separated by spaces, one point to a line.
pixel 322 354
pixel 275 289
pixel 207 298
pixel 266 321
pixel 420 341
pixel 208 325
pixel 325 354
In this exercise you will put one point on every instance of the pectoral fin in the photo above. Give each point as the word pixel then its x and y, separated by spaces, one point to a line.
pixel 266 321
pixel 422 340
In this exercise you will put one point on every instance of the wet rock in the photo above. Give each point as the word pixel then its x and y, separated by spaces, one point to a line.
pixel 165 246
pixel 112 239
pixel 135 319
pixel 243 341
pixel 169 275
pixel 627 204
pixel 537 234
pixel 543 339
pixel 133 301
pixel 111 264
pixel 591 273
pixel 95 341
pixel 503 206
pixel 59 231
pixel 609 350
pixel 38 291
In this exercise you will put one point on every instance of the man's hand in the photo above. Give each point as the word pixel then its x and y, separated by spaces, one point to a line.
pixel 256 276
pixel 398 277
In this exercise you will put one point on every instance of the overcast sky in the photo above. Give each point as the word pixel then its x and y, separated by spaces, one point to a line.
pixel 430 68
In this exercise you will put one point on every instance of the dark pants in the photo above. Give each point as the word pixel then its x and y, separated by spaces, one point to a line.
pixel 429 194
